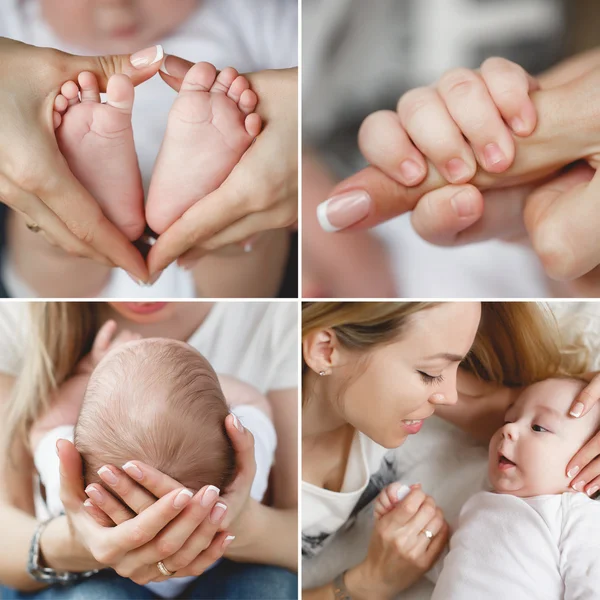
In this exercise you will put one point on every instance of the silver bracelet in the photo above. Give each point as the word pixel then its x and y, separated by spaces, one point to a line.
pixel 340 590
pixel 46 574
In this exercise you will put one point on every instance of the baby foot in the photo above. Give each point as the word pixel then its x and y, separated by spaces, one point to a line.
pixel 389 497
pixel 211 125
pixel 97 141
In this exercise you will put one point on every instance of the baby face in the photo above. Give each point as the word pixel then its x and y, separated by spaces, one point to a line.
pixel 528 456
pixel 115 26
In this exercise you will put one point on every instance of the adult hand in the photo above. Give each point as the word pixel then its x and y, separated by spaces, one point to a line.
pixel 399 552
pixel 558 212
pixel 138 542
pixel 35 179
pixel 196 538
pixel 261 193
pixel 584 467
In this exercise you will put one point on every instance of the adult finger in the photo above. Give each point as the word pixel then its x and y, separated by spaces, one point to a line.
pixel 404 511
pixel 582 459
pixel 155 481
pixel 104 336
pixel 72 493
pixel 425 118
pixel 510 85
pixel 437 544
pixel 174 70
pixel 586 399
pixel 108 504
pixel 97 514
pixel 469 103
pixel 173 540
pixel 561 218
pixel 132 494
pixel 207 558
pixel 385 144
pixel 585 480
pixel 144 527
pixel 248 227
pixel 418 522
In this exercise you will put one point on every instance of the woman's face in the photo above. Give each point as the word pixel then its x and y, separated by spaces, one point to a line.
pixel 115 26
pixel 145 312
pixel 404 380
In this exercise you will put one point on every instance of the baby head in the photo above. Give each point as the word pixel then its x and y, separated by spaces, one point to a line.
pixel 115 26
pixel 529 455
pixel 158 401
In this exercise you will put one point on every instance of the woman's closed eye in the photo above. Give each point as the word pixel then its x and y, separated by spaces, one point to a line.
pixel 430 379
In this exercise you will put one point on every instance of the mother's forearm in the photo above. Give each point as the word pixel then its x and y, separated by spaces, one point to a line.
pixel 266 535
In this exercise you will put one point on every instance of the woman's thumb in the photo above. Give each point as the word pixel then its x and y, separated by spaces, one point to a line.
pixel 139 66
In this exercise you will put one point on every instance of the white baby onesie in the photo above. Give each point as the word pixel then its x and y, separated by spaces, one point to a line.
pixel 509 548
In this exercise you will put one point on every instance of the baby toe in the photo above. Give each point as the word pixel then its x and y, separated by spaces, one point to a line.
pixel 248 101
pixel 60 104
pixel 90 92
pixel 239 85
pixel 56 119
pixel 253 124
pixel 70 91
pixel 119 93
pixel 224 80
pixel 199 78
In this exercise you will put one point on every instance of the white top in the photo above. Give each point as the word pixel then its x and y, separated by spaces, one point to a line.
pixel 250 36
pixel 256 342
pixel 324 512
pixel 509 548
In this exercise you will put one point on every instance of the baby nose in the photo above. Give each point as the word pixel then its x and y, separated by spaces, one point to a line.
pixel 509 431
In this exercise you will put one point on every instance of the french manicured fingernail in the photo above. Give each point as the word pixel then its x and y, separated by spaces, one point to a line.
pixel 578 486
pixel 154 278
pixel 464 204
pixel 163 65
pixel 592 491
pixel 174 66
pixel 147 56
pixel 216 514
pixel 137 281
pixel 493 155
pixel 237 424
pixel 577 409
pixel 57 446
pixel 343 210
pixel 210 493
pixel 458 170
pixel 411 171
pixel 228 540
pixel 182 498
pixel 132 470
pixel 573 472
pixel 88 503
pixel 95 494
pixel 107 475
pixel 402 492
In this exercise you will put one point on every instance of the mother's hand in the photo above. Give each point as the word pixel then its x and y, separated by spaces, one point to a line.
pixel 584 468
pixel 194 540
pixel 261 193
pixel 132 547
pixel 35 179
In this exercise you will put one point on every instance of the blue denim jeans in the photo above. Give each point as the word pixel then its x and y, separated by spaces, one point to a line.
pixel 226 581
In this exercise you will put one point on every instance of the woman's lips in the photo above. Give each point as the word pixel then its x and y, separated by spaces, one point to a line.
pixel 145 308
pixel 412 425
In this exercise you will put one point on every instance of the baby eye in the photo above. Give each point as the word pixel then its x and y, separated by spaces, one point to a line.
pixel 430 379
pixel 540 429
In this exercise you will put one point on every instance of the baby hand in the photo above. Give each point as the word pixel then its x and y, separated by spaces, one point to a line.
pixel 390 496
pixel 431 123
pixel 105 341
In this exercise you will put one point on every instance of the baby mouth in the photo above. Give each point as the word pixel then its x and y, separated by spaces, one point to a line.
pixel 505 462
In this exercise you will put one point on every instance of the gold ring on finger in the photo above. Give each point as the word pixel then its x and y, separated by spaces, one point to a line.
pixel 428 534
pixel 164 571
pixel 33 227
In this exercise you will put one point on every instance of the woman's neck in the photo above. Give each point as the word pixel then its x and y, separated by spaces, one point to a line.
pixel 181 325
pixel 319 415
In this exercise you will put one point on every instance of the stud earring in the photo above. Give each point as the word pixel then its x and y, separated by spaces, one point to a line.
pixel 321 373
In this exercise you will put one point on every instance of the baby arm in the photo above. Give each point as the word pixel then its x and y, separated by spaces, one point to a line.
pixel 579 557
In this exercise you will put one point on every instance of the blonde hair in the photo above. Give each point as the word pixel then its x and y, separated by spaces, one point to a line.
pixel 61 334
pixel 517 343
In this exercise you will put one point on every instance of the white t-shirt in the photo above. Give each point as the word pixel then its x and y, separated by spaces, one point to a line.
pixel 324 512
pixel 250 36
pixel 256 342
pixel 509 548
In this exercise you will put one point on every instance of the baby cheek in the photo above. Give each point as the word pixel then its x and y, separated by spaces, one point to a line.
pixel 166 12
